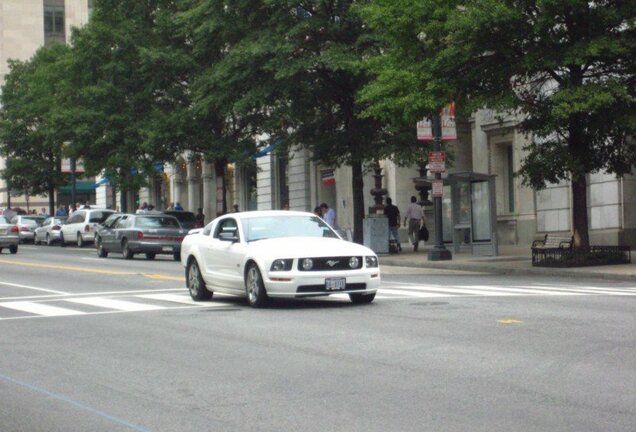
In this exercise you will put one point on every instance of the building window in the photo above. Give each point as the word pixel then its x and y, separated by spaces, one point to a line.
pixel 54 29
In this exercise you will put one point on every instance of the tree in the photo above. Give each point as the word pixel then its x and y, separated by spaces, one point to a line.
pixel 129 111
pixel 565 67
pixel 290 71
pixel 31 130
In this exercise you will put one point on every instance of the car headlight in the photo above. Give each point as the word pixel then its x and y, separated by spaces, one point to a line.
pixel 281 265
pixel 371 261
pixel 354 262
pixel 307 263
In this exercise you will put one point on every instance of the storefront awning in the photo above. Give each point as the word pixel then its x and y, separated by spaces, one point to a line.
pixel 80 187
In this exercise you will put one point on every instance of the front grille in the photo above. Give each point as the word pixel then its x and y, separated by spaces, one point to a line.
pixel 321 288
pixel 330 263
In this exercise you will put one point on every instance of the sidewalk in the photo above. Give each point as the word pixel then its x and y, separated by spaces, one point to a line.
pixel 511 260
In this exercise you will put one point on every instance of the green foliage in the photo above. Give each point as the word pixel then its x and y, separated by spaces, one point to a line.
pixel 32 129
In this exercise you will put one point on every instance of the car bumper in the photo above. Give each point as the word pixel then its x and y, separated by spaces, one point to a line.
pixel 157 248
pixel 6 241
pixel 313 284
pixel 26 236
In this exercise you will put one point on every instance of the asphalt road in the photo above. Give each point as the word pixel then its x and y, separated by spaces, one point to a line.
pixel 97 345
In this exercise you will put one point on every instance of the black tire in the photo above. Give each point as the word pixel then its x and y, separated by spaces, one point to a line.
pixel 13 249
pixel 254 287
pixel 361 298
pixel 176 256
pixel 48 240
pixel 80 240
pixel 195 282
pixel 150 255
pixel 125 250
pixel 62 242
pixel 101 252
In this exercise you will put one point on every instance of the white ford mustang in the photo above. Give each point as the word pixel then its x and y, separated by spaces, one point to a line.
pixel 264 254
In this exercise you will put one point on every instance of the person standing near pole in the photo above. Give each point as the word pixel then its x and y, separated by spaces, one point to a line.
pixel 413 217
pixel 392 213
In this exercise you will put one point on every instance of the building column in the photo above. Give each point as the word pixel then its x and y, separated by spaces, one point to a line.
pixel 193 188
pixel 209 191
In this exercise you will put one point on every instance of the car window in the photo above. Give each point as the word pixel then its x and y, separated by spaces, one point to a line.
pixel 265 227
pixel 122 222
pixel 156 222
pixel 77 217
pixel 226 226
pixel 3 220
pixel 47 222
pixel 99 216
pixel 60 220
pixel 31 221
pixel 208 229
pixel 111 220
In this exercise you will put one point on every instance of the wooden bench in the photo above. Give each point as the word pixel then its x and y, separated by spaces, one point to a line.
pixel 552 241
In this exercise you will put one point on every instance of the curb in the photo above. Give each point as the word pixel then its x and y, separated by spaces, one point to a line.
pixel 495 269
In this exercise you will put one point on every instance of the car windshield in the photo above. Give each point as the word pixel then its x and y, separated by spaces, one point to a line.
pixel 59 220
pixel 156 222
pixel 32 221
pixel 99 216
pixel 267 227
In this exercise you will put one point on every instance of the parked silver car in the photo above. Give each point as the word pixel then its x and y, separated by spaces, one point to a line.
pixel 49 231
pixel 8 235
pixel 140 233
pixel 26 226
pixel 80 226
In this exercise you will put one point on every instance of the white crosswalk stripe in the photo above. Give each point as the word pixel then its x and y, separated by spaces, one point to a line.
pixel 139 301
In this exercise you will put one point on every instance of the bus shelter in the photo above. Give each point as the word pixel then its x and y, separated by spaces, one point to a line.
pixel 469 212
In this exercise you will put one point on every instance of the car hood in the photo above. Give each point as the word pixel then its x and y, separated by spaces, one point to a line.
pixel 307 247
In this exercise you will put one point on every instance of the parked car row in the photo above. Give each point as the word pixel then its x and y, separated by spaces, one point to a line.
pixel 149 233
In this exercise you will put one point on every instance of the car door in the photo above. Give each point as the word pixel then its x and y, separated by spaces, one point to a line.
pixel 73 225
pixel 119 231
pixel 106 233
pixel 40 232
pixel 222 255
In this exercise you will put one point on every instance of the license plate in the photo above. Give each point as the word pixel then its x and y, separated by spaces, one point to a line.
pixel 167 248
pixel 335 284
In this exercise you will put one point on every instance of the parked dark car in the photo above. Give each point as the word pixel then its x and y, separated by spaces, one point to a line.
pixel 150 234
pixel 8 235
pixel 185 218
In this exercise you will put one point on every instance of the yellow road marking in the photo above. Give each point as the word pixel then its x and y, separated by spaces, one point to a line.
pixel 92 270
pixel 509 321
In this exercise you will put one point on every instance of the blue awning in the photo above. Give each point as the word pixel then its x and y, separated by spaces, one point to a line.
pixel 266 150
pixel 104 181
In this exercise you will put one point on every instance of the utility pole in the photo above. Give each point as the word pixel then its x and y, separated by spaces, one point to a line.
pixel 439 251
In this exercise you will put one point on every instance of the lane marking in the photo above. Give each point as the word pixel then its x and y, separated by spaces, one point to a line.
pixel 109 303
pixel 33 288
pixel 174 298
pixel 94 270
pixel 40 309
pixel 74 403
pixel 509 321
pixel 84 294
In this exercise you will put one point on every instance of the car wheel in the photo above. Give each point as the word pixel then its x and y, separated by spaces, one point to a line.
pixel 254 287
pixel 62 242
pixel 361 298
pixel 150 256
pixel 80 241
pixel 13 249
pixel 195 282
pixel 101 252
pixel 176 256
pixel 48 240
pixel 125 250
pixel 35 240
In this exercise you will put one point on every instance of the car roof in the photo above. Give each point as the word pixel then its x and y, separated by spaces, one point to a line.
pixel 264 213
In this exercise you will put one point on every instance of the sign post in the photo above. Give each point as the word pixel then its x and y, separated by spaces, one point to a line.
pixel 439 251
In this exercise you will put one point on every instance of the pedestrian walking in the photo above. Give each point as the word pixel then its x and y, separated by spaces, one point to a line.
pixel 414 216
pixel 329 215
pixel 392 212
pixel 199 219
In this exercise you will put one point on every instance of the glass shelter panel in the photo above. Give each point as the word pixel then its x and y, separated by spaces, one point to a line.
pixel 481 211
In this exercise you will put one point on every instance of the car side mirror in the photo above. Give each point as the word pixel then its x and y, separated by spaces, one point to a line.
pixel 229 236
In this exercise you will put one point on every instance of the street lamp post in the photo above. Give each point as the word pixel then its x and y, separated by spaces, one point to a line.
pixel 73 182
pixel 439 251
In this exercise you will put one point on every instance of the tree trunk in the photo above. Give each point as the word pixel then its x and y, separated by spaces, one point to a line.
pixel 357 185
pixel 51 199
pixel 579 213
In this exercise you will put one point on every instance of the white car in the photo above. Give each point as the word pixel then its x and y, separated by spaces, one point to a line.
pixel 80 226
pixel 263 254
